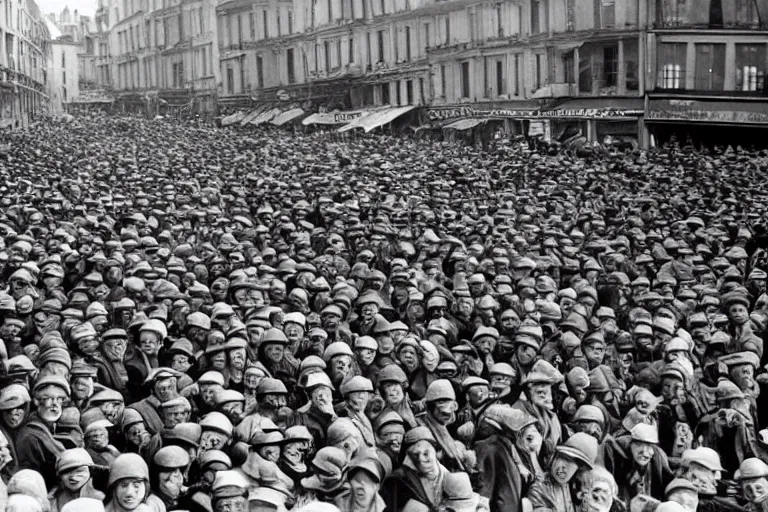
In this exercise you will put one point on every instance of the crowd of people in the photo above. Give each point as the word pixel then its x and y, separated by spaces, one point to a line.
pixel 198 319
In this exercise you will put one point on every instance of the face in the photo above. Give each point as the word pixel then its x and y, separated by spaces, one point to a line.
pixel 529 440
pixel 704 479
pixel 392 437
pixel 175 415
pixel 738 314
pixel 364 488
pixel 270 453
pixel 234 504
pixel 424 457
pixel 340 367
pixel 293 332
pixel 409 358
pixel 149 343
pixel 274 352
pixel 386 343
pixel 595 353
pixel 525 354
pixel 130 493
pixel 111 410
pixel 393 393
pixel 444 411
pixel 137 434
pixel 76 478
pixel 165 389
pixel 293 452
pixel 477 395
pixel 49 402
pixel 541 395
pixel 642 453
pixel 358 400
pixel 180 363
pixel 322 397
pixel 671 388
pixel 365 356
pixel 97 438
pixel 350 445
pixel 563 470
pixel 743 376
pixel 690 499
pixel 170 483
pixel 218 361
pixel 755 489
pixel 212 440
pixel 368 311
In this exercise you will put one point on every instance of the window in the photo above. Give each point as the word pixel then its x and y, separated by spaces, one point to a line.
pixel 421 90
pixel 746 14
pixel 750 67
pixel 427 41
pixel 471 24
pixel 443 80
pixel 260 71
pixel 499 20
pixel 710 67
pixel 338 53
pixel 330 10
pixel 351 49
pixel 205 61
pixel 365 9
pixel 290 22
pixel 239 30
pixel 465 78
pixel 383 6
pixel 520 20
pixel 230 80
pixel 671 66
pixel 517 74
pixel 201 20
pixel 146 33
pixel 180 22
pixel 252 23
pixel 538 71
pixel 381 45
pixel 397 46
pixel 499 77
pixel 568 64
pixel 486 86
pixel 610 66
pixel 409 92
pixel 535 6
pixel 63 60
pixel 398 94
pixel 605 13
pixel 408 43
pixel 242 73
pixel 327 49
pixel 265 20
pixel 385 94
pixel 368 48
pixel 447 30
pixel 64 77
pixel 64 93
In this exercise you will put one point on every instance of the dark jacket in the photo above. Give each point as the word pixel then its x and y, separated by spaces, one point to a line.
pixel 38 450
pixel 500 478
pixel 404 485
pixel 617 459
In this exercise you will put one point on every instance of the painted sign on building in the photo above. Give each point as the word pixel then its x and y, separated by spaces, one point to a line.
pixel 442 114
pixel 707 111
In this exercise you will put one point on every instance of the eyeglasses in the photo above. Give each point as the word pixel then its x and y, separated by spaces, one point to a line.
pixel 49 400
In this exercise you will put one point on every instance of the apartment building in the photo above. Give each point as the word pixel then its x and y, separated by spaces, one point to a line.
pixel 708 68
pixel 24 53
pixel 63 73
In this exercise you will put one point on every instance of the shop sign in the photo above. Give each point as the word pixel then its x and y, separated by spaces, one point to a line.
pixel 442 114
pixel 708 112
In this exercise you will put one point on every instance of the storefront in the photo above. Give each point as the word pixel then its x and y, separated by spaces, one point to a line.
pixel 684 118
pixel 510 118
pixel 603 120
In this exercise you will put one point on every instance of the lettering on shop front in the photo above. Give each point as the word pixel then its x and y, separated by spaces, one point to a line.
pixel 709 116
pixel 451 113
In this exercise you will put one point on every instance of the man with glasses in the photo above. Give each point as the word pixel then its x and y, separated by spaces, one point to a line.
pixel 35 445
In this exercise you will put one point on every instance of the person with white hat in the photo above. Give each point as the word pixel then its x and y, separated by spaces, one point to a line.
pixel 73 467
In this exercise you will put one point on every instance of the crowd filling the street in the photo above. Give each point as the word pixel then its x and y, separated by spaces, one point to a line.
pixel 204 319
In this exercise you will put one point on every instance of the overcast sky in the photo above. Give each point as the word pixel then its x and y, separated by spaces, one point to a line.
pixel 84 7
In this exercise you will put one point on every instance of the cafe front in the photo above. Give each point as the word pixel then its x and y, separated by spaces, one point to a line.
pixel 683 118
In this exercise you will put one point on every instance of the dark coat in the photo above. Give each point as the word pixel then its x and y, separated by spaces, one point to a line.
pixel 501 481
pixel 149 408
pixel 402 486
pixel 617 459
pixel 38 450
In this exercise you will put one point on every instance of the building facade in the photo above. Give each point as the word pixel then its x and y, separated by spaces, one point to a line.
pixel 63 73
pixel 24 53
pixel 709 68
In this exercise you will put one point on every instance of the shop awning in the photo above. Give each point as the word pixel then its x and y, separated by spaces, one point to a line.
pixel 333 118
pixel 247 119
pixel 377 118
pixel 232 119
pixel 287 116
pixel 265 116
pixel 464 124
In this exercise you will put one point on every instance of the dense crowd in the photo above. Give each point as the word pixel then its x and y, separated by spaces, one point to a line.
pixel 204 320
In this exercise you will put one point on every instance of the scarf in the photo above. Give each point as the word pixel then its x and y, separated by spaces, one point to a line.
pixel 448 444
pixel 363 424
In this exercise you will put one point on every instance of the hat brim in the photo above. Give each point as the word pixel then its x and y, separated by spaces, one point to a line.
pixel 574 455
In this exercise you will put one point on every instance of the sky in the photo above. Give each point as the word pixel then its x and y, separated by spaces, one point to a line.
pixel 84 7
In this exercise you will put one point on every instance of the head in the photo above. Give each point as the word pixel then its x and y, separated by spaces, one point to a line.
pixel 529 439
pixel 424 457
pixel 702 477
pixel 443 411
pixel 49 401
pixel 642 453
pixel 165 389
pixel 689 499
pixel 129 493
pixel 358 400
pixel 478 394
pixel 364 487
pixel 393 393
pixel 563 469
pixel 525 354
pixel 74 479
pixel 391 436
pixel 540 394
pixel 597 490
pixel 213 440
pixel 97 438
